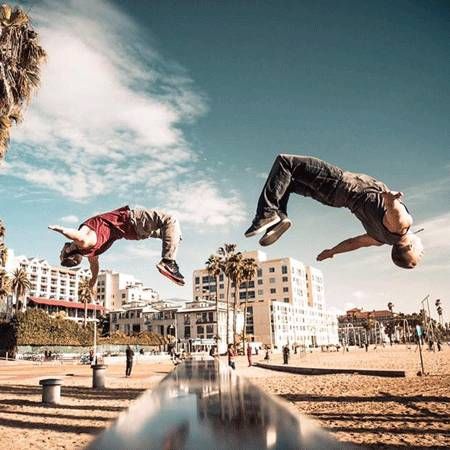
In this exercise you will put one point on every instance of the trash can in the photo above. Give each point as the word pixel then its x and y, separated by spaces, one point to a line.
pixel 51 390
pixel 98 376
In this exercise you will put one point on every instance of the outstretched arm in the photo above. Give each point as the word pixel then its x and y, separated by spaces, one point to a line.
pixel 80 237
pixel 95 267
pixel 348 246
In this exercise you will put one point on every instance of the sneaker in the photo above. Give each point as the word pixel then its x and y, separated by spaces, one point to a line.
pixel 169 268
pixel 275 232
pixel 261 224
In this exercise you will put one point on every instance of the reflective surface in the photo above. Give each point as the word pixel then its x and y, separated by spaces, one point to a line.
pixel 201 407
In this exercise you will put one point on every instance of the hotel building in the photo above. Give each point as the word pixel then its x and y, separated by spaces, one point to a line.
pixel 285 302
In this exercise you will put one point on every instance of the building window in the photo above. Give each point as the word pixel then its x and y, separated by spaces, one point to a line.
pixel 260 292
pixel 197 280
pixel 200 329
pixel 260 282
pixel 221 277
pixel 187 332
pixel 248 295
pixel 284 269
pixel 285 289
pixel 259 273
pixel 273 291
pixel 285 279
pixel 271 280
pixel 271 269
pixel 221 296
pixel 286 300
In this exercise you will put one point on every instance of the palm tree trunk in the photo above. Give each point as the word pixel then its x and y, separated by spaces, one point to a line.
pixel 228 311
pixel 217 312
pixel 85 313
pixel 17 303
pixel 236 294
pixel 244 331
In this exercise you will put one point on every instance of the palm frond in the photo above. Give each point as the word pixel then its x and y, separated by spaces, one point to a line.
pixel 21 57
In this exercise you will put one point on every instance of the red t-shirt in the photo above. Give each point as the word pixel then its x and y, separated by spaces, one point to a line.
pixel 109 227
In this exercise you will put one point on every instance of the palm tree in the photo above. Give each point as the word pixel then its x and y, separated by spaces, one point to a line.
pixel 2 230
pixel 234 271
pixel 225 253
pixel 85 296
pixel 249 268
pixel 20 283
pixel 20 60
pixel 3 254
pixel 214 267
pixel 390 306
pixel 5 288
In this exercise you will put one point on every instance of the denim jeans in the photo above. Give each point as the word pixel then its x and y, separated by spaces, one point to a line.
pixel 157 224
pixel 303 175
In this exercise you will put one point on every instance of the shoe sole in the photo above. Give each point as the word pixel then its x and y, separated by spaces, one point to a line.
pixel 272 236
pixel 168 275
pixel 263 228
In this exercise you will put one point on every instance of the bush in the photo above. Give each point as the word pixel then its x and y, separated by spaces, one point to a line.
pixel 36 327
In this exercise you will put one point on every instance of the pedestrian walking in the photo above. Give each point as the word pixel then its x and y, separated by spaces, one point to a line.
pixel 249 355
pixel 286 353
pixel 129 355
pixel 231 356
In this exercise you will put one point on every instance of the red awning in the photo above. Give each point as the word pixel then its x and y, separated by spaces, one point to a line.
pixel 63 303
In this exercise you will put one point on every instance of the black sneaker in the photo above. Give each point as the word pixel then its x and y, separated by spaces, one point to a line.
pixel 169 268
pixel 261 224
pixel 275 232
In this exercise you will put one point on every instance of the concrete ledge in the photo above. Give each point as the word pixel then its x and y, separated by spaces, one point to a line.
pixel 331 370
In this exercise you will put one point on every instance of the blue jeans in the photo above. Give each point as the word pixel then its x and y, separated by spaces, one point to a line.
pixel 303 175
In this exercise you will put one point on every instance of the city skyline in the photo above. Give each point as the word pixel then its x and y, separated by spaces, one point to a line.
pixel 184 107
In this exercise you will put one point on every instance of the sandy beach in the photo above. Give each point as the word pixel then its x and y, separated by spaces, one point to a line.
pixel 377 412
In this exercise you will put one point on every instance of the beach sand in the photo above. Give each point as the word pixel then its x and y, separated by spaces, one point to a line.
pixel 378 412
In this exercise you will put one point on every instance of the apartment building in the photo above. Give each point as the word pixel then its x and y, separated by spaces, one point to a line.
pixel 53 288
pixel 199 327
pixel 115 289
pixel 132 318
pixel 286 302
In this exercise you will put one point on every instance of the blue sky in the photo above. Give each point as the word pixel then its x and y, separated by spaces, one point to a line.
pixel 184 105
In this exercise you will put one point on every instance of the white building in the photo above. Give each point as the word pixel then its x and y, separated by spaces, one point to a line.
pixel 53 288
pixel 115 289
pixel 286 302
pixel 198 328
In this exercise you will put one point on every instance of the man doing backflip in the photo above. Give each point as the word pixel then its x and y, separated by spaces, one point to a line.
pixel 383 216
pixel 96 235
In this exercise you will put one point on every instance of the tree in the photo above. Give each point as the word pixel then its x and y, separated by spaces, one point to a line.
pixel 390 306
pixel 5 288
pixel 20 60
pixel 20 284
pixel 214 267
pixel 234 271
pixel 249 268
pixel 3 254
pixel 85 296
pixel 225 253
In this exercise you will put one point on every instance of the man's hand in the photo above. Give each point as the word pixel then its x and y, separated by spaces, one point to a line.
pixel 325 255
pixel 56 228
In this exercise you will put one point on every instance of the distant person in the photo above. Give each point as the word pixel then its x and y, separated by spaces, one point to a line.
pixel 213 351
pixel 384 217
pixel 267 355
pixel 366 345
pixel 249 355
pixel 286 353
pixel 231 356
pixel 96 235
pixel 129 357
pixel 91 357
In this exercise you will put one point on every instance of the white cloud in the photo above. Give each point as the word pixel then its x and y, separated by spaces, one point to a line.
pixel 200 203
pixel 70 219
pixel 108 115
pixel 359 295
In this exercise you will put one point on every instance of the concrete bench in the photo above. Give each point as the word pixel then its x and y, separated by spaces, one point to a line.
pixel 51 390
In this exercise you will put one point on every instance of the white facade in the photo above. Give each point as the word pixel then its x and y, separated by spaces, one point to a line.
pixel 286 302
pixel 114 289
pixel 198 327
pixel 47 281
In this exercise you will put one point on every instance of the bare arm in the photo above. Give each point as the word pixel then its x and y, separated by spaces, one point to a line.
pixel 81 237
pixel 396 219
pixel 348 246
pixel 95 267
